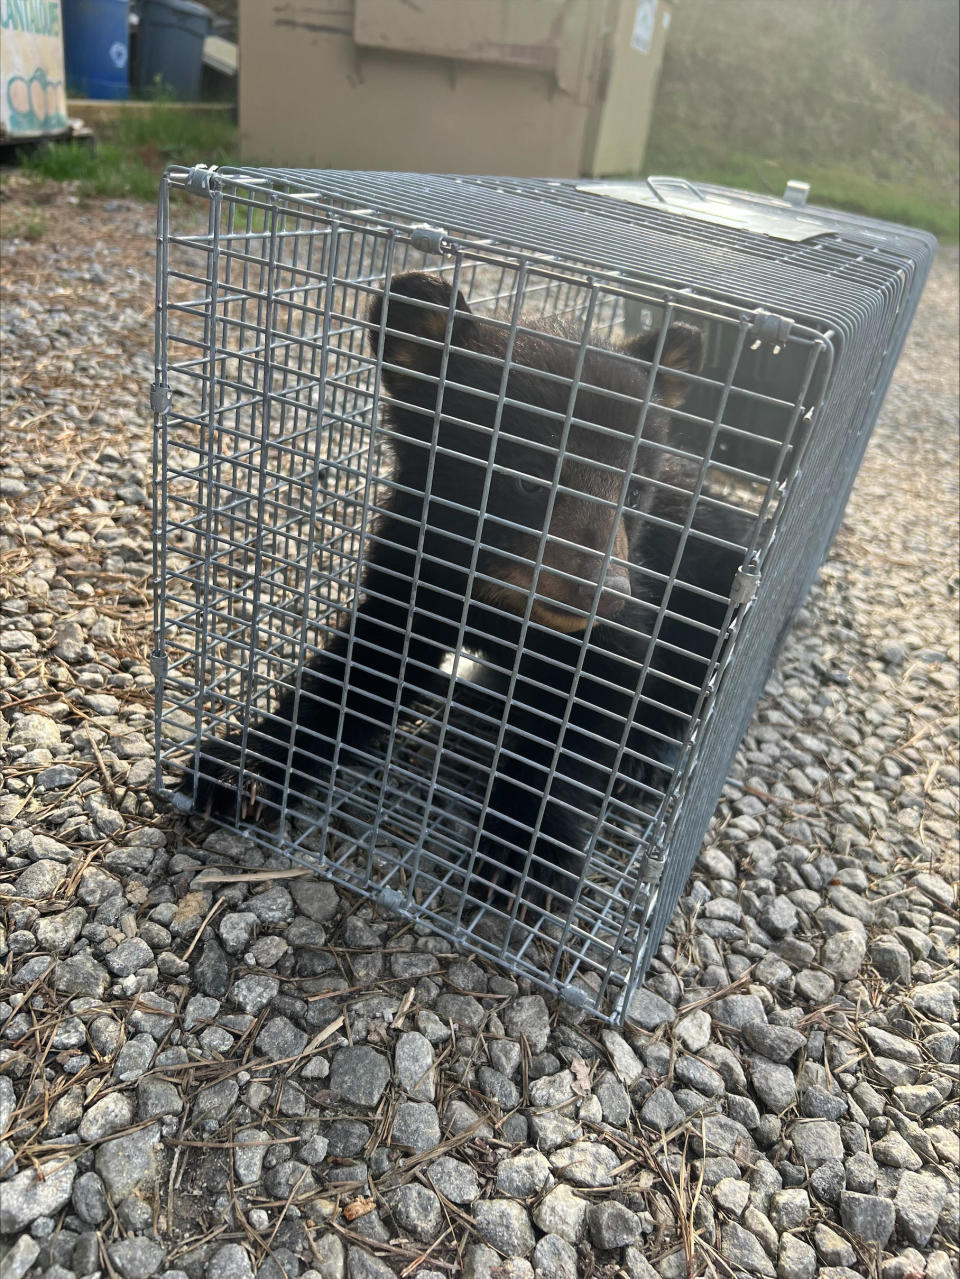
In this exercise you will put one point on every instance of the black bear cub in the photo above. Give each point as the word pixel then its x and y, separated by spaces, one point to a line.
pixel 534 519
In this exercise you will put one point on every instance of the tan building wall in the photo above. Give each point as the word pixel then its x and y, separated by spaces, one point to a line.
pixel 524 87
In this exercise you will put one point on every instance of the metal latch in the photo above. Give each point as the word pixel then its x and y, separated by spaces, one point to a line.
pixel 651 870
pixel 765 326
pixel 161 397
pixel 198 179
pixel 796 193
pixel 426 238
pixel 745 584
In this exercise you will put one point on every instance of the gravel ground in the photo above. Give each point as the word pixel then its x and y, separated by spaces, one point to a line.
pixel 219 1075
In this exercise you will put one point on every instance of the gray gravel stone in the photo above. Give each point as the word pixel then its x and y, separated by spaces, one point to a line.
pixel 650 1011
pixel 416 1126
pixel 216 1101
pixel 134 1058
pixel 462 1010
pixel 697 1074
pixel 789 1209
pixel 57 933
pixel 528 1018
pixel 81 975
pixel 827 1181
pixel 626 1064
pixel 28 1195
pixel 153 1015
pixel 89 1199
pixel 274 906
pixel 230 1261
pixel 886 1044
pixel 936 999
pixel 413 1061
pixel 281 1040
pixel 776 1043
pixel 892 1151
pixel 129 956
pixel 731 1194
pixel 844 953
pixel 417 1211
pixel 919 1201
pixel 692 1032
pixel 661 1111
pixel 739 1010
pixel 505 1225
pixel 779 917
pixel 554 1258
pixel 315 898
pixel 249 1151
pixel 211 972
pixel 111 1114
pixel 40 880
pixel 126 1164
pixel 363 1265
pixel 554 1093
pixel 158 1097
pixel 454 1179
pixel 723 1136
pixel 360 1074
pixel 832 1249
pixel 561 1212
pixel 816 1141
pixel 742 1249
pixel 498 1088
pixel 328 1258
pixel 869 1217
pixel 613 1098
pixel 612 1225
pixel 585 1163
pixel 19 1257
pixel 8 1101
pixel 522 1175
pixel 796 1259
pixel 137 1257
pixel 254 992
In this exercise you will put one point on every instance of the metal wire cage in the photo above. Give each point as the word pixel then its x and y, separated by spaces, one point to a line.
pixel 482 506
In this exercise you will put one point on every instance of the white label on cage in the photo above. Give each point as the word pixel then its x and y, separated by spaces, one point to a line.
pixel 738 209
pixel 643 23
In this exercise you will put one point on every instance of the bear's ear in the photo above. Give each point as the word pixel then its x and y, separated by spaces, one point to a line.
pixel 417 311
pixel 682 351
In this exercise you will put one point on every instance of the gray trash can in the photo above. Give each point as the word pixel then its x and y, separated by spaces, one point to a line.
pixel 170 41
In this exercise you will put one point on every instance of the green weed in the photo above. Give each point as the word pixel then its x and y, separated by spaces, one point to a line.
pixel 25 226
pixel 131 154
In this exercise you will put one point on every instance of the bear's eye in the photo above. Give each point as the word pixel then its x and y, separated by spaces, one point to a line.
pixel 634 494
pixel 529 485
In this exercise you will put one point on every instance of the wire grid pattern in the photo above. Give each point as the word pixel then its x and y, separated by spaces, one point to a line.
pixel 273 480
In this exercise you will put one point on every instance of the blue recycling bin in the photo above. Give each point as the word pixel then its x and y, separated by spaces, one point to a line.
pixel 170 47
pixel 96 47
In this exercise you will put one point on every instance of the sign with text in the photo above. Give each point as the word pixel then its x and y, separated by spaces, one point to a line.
pixel 33 98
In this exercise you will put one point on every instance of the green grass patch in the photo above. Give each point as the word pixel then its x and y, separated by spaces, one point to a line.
pixel 912 200
pixel 753 93
pixel 25 226
pixel 131 153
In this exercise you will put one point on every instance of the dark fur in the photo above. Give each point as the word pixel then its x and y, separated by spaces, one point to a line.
pixel 447 345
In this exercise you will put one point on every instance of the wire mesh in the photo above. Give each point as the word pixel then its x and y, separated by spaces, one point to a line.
pixel 481 507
